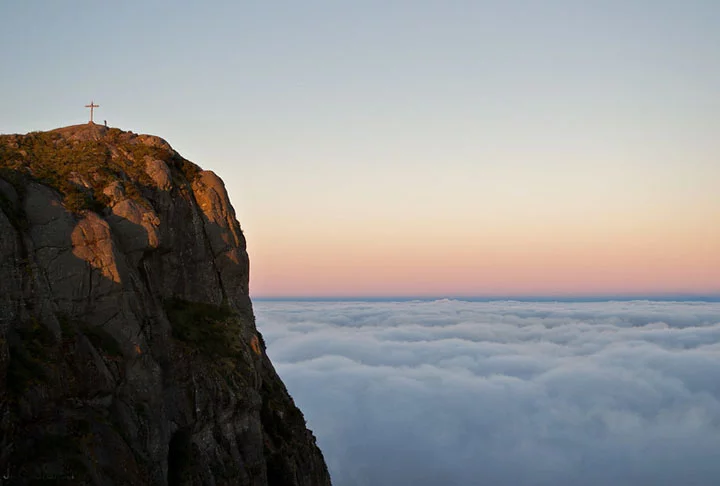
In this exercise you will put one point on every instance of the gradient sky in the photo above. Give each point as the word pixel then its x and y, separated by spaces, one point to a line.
pixel 413 147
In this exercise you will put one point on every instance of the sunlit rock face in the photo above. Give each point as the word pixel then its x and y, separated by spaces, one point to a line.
pixel 128 346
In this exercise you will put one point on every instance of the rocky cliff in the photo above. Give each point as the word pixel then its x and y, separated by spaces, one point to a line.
pixel 128 348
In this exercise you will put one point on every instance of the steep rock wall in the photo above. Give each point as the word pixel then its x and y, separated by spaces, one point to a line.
pixel 128 349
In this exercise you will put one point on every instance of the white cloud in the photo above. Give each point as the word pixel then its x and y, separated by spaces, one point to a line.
pixel 505 393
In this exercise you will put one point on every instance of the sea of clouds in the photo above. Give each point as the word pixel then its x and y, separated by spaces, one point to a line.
pixel 461 393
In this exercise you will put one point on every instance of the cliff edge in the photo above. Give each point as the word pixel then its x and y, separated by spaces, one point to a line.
pixel 128 347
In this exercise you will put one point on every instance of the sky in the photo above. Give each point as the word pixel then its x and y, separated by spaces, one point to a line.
pixel 554 147
pixel 505 393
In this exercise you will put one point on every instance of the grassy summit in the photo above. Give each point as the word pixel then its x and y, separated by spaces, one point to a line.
pixel 80 160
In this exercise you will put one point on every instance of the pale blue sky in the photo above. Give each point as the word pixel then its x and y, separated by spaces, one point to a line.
pixel 335 119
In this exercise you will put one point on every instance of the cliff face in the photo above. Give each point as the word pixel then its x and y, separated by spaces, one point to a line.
pixel 128 348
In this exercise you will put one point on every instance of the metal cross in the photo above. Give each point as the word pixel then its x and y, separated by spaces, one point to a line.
pixel 92 105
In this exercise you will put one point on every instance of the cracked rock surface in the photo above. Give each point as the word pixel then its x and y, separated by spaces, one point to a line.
pixel 128 347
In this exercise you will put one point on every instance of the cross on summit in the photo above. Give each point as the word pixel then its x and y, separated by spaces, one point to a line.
pixel 92 106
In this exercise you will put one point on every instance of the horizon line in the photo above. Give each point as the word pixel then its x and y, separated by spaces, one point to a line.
pixel 678 297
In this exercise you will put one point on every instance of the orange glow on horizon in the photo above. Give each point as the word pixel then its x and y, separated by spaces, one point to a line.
pixel 623 261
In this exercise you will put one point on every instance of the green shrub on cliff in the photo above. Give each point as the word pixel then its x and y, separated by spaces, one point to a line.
pixel 212 329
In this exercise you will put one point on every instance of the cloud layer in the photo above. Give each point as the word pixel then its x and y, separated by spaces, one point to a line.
pixel 505 393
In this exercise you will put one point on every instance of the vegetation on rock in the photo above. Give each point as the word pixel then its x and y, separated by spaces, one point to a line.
pixel 212 329
pixel 81 168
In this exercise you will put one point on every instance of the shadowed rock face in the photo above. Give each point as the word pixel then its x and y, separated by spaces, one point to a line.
pixel 128 348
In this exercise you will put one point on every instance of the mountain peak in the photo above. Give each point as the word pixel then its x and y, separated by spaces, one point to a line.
pixel 85 131
pixel 127 334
